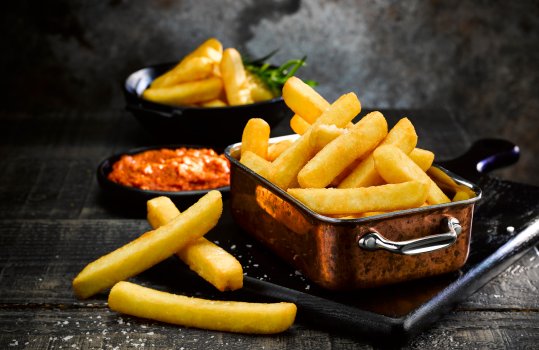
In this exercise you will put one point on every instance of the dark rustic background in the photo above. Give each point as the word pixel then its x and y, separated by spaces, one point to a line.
pixel 479 60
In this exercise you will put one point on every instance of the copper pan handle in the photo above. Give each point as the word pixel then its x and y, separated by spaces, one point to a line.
pixel 373 240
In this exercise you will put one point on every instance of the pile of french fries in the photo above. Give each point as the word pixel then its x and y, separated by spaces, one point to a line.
pixel 339 168
pixel 208 77
pixel 181 234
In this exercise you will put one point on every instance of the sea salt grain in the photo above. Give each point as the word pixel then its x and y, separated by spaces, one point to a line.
pixel 66 338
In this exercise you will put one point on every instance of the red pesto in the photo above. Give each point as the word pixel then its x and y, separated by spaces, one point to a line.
pixel 182 169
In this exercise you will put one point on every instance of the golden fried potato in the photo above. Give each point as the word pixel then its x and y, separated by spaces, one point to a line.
pixel 460 196
pixel 288 164
pixel 277 148
pixel 402 135
pixel 207 259
pixel 214 103
pixel 422 158
pixel 385 198
pixel 196 68
pixel 150 248
pixel 298 124
pixel 188 93
pixel 259 91
pixel 322 134
pixel 342 151
pixel 211 48
pixel 255 137
pixel 257 164
pixel 160 211
pixel 303 99
pixel 228 316
pixel 395 166
pixel 234 78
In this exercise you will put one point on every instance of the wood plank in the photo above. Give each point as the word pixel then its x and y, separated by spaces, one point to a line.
pixel 100 328
pixel 39 258
pixel 515 288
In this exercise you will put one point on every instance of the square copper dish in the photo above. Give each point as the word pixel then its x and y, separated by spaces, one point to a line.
pixel 347 254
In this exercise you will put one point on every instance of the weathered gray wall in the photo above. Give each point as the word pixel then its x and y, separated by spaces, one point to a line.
pixel 477 59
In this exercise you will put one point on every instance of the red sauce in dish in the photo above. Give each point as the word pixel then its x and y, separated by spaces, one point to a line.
pixel 182 169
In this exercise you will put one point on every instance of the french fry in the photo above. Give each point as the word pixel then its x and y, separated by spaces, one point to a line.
pixel 446 183
pixel 228 316
pixel 422 158
pixel 460 196
pixel 255 137
pixel 277 148
pixel 395 166
pixel 196 68
pixel 214 103
pixel 211 48
pixel 259 91
pixel 342 151
pixel 234 78
pixel 199 64
pixel 388 197
pixel 358 215
pixel 402 135
pixel 150 248
pixel 323 134
pixel 303 99
pixel 257 164
pixel 298 124
pixel 186 93
pixel 160 211
pixel 207 259
pixel 288 164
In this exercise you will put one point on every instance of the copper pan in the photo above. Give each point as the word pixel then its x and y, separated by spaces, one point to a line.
pixel 346 254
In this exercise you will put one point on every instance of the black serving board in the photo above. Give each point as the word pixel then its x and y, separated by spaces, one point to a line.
pixel 505 226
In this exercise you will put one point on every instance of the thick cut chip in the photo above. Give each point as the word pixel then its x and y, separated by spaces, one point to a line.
pixel 258 89
pixel 323 134
pixel 422 158
pixel 275 149
pixel 343 151
pixel 211 48
pixel 207 259
pixel 257 164
pixel 395 166
pixel 160 211
pixel 228 316
pixel 298 124
pixel 303 99
pixel 255 137
pixel 196 68
pixel 385 198
pixel 402 135
pixel 184 94
pixel 288 164
pixel 214 103
pixel 234 78
pixel 199 64
pixel 150 248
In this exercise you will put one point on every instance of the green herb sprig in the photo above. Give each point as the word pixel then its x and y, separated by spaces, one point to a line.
pixel 275 77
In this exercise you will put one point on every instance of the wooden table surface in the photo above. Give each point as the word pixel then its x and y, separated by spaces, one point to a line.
pixel 54 220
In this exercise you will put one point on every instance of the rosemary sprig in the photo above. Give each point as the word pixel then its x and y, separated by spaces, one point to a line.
pixel 275 77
